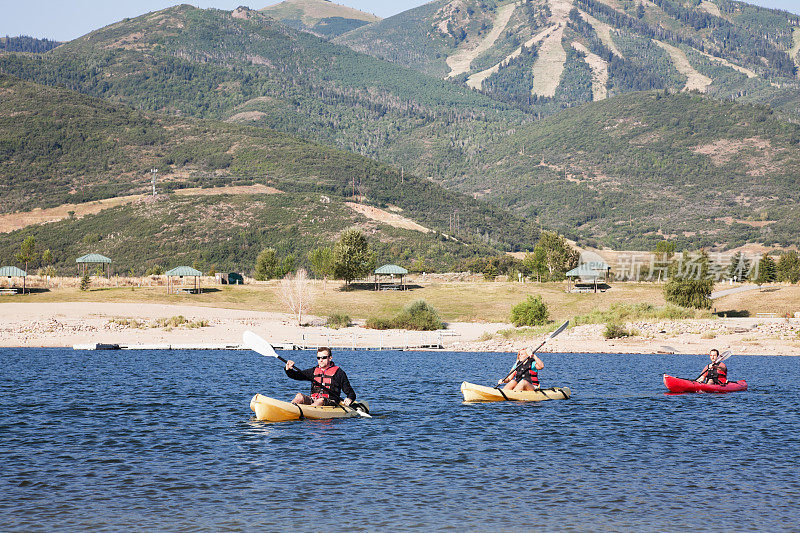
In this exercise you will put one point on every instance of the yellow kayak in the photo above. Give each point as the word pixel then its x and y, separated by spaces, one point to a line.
pixel 272 410
pixel 479 393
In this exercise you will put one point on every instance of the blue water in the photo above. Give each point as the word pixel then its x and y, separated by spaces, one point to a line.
pixel 154 440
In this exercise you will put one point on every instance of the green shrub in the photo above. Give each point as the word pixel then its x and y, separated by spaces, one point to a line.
pixel 531 312
pixel 417 316
pixel 615 331
pixel 338 320
pixel 689 292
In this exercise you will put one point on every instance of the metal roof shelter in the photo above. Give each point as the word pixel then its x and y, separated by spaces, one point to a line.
pixel 94 259
pixel 12 272
pixel 390 270
pixel 181 272
pixel 591 271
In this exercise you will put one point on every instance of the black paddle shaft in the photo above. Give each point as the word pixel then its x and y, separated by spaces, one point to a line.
pixel 523 362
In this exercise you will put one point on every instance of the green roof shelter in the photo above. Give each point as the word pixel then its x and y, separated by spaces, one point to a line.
pixel 12 272
pixel 93 259
pixel 183 272
pixel 389 270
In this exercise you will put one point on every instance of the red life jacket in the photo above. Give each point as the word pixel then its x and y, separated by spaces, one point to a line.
pixel 717 374
pixel 528 373
pixel 325 377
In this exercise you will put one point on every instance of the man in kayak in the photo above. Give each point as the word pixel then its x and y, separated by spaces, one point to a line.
pixel 525 374
pixel 332 378
pixel 716 372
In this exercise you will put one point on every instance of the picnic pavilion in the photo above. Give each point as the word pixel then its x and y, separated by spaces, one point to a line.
pixel 12 272
pixel 385 278
pixel 94 259
pixel 182 272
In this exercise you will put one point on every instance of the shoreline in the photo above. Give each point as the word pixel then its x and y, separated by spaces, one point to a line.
pixel 65 324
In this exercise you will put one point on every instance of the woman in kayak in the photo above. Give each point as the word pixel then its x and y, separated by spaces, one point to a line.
pixel 525 373
pixel 328 381
pixel 716 373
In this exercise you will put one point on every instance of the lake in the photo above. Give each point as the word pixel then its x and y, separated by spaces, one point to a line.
pixel 165 440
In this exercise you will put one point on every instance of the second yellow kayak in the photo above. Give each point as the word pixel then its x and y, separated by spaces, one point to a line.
pixel 480 393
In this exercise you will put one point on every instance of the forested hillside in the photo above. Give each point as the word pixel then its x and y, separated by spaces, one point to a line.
pixel 546 55
pixel 59 147
pixel 638 168
pixel 24 43
pixel 320 17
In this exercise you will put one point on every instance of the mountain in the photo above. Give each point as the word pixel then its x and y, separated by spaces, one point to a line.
pixel 250 187
pixel 320 17
pixel 243 67
pixel 551 54
pixel 634 169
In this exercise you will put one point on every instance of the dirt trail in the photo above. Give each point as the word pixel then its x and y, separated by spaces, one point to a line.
pixel 476 80
pixel 694 80
pixel 599 68
pixel 460 62
pixel 392 219
pixel 746 71
pixel 13 221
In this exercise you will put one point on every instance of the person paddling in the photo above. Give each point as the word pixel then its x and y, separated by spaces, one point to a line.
pixel 715 372
pixel 332 378
pixel 525 373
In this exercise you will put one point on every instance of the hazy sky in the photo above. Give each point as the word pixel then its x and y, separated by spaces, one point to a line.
pixel 67 19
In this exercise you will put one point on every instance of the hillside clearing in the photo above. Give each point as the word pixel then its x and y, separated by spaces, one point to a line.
pixel 392 219
pixel 460 62
pixel 549 65
pixel 599 68
pixel 694 80
pixel 603 31
pixel 14 221
pixel 475 81
pixel 710 8
pixel 795 45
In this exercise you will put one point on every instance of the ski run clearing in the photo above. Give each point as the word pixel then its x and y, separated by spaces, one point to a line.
pixel 460 62
pixel 550 64
pixel 694 80
pixel 476 80
pixel 599 68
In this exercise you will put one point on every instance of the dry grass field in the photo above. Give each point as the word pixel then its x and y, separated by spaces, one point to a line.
pixel 476 301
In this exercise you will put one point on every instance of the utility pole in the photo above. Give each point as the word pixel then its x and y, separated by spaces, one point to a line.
pixel 153 172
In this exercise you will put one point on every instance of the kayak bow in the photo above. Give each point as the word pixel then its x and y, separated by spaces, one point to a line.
pixel 480 393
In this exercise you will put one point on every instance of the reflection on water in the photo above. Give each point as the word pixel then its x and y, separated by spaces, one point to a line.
pixel 166 441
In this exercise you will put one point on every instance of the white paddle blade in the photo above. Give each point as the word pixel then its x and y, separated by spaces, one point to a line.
pixel 724 355
pixel 257 344
pixel 561 328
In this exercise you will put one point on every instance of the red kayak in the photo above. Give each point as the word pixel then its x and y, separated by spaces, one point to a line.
pixel 687 385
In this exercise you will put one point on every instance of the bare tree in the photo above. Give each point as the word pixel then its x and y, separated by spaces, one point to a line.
pixel 295 292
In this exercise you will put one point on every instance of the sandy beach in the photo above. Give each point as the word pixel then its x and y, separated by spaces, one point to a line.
pixel 69 323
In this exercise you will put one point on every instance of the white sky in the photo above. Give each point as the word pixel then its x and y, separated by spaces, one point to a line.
pixel 64 20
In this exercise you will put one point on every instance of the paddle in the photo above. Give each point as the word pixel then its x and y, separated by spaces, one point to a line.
pixel 722 357
pixel 561 328
pixel 257 344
